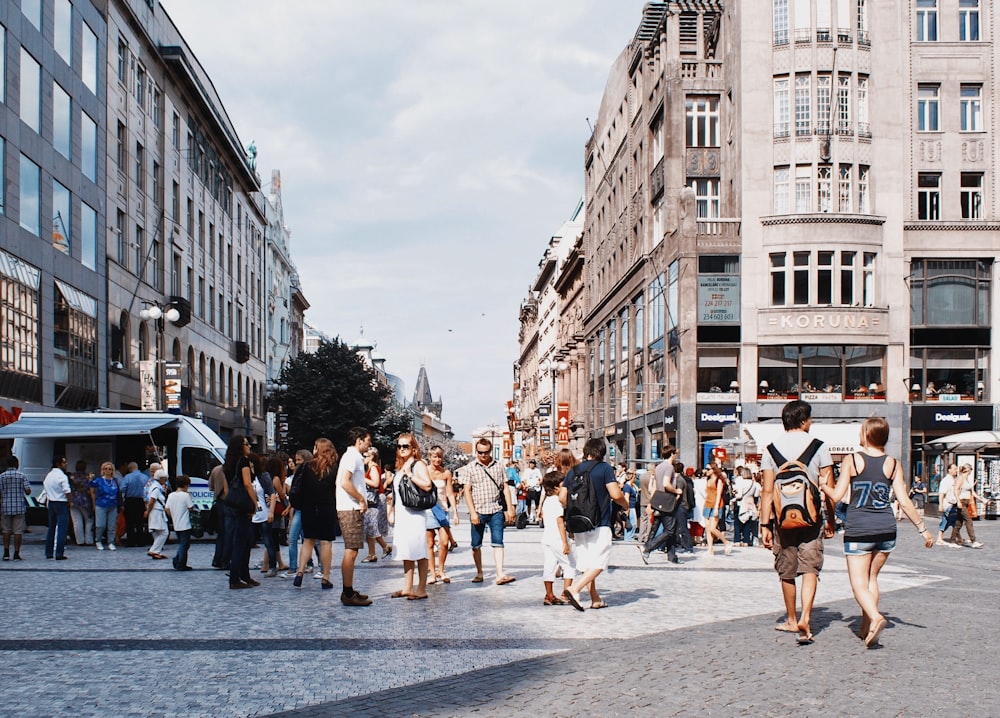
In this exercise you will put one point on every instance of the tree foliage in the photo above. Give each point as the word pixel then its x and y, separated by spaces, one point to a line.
pixel 329 392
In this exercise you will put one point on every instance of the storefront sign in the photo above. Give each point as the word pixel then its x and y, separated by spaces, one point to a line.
pixel 952 420
pixel 712 417
pixel 172 386
pixel 718 299
pixel 562 423
pixel 824 321
pixel 670 419
pixel 821 396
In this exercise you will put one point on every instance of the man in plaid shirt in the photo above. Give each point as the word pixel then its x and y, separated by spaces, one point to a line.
pixel 485 483
pixel 14 487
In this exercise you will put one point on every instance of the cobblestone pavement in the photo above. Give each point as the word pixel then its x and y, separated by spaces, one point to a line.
pixel 116 633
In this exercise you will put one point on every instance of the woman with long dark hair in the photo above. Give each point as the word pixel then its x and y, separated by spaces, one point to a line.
pixel 318 507
pixel 239 471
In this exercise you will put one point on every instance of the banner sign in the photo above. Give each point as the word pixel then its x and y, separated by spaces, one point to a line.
pixel 147 384
pixel 562 425
pixel 172 386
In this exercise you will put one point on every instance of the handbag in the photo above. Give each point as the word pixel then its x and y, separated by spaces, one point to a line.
pixel 971 509
pixel 664 502
pixel 413 497
pixel 238 499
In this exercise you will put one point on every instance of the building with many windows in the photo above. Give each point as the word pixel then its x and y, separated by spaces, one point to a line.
pixel 53 315
pixel 798 203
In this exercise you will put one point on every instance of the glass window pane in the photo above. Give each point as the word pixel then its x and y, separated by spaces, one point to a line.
pixel 61 215
pixel 778 372
pixel 30 193
pixel 32 10
pixel 62 30
pixel 88 236
pixel 821 369
pixel 88 157
pixel 89 69
pixel 62 114
pixel 31 91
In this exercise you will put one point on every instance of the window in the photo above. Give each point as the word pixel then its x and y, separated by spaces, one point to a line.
pixel 140 168
pixel 781 107
pixel 803 189
pixel 121 239
pixel 175 203
pixel 927 108
pixel 31 205
pixel 868 280
pixel 803 100
pixel 778 279
pixel 3 64
pixel 928 195
pixel 847 271
pixel 637 307
pixel 863 22
pixel 824 278
pixel 140 251
pixel 157 108
pixel 800 277
pixel 75 348
pixel 32 10
pixel 717 370
pixel 824 189
pixel 972 195
pixel 120 157
pixel 88 147
pixel 62 119
pixel 781 191
pixel 864 124
pixel 803 21
pixel 20 356
pixel 62 30
pixel 780 22
pixel 842 372
pixel 706 193
pixel 3 173
pixel 156 264
pixel 703 121
pixel 968 20
pixel 950 293
pixel 823 21
pixel 972 108
pixel 139 91
pixel 89 66
pixel 31 91
pixel 655 333
pixel 844 189
pixel 157 185
pixel 88 236
pixel 864 203
pixel 952 373
pixel 175 131
pixel 926 20
pixel 843 21
pixel 823 99
pixel 122 61
pixel 844 105
pixel 62 213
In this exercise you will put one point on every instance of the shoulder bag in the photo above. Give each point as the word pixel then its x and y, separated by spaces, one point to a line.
pixel 413 497
pixel 237 498
pixel 663 502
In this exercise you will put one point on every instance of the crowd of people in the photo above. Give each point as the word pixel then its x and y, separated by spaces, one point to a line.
pixel 309 499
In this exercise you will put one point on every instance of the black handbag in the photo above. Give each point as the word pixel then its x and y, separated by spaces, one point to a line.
pixel 237 498
pixel 664 502
pixel 413 497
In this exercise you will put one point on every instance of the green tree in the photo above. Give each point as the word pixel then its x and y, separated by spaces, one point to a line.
pixel 330 391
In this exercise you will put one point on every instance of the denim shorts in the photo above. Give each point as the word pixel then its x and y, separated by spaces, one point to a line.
pixel 496 522
pixel 860 548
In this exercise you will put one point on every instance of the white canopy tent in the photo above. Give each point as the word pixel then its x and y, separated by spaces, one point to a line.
pixel 968 442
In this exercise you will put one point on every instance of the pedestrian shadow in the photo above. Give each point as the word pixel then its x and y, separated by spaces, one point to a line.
pixel 623 598
pixel 822 619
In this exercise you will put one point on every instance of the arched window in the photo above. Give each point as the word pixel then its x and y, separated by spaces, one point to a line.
pixel 192 374
pixel 212 388
pixel 175 351
pixel 202 387
pixel 231 395
pixel 143 342
pixel 123 340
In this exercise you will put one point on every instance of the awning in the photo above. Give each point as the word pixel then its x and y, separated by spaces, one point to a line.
pixel 839 438
pixel 56 425
pixel 968 442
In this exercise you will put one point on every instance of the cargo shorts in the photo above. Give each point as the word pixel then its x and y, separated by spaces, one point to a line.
pixel 797 552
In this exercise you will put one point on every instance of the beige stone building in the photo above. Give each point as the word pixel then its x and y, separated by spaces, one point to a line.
pixel 789 199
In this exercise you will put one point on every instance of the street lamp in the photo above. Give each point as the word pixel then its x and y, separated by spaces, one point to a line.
pixel 553 367
pixel 158 314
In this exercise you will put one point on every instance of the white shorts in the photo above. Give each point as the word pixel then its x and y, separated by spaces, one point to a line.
pixel 555 557
pixel 593 549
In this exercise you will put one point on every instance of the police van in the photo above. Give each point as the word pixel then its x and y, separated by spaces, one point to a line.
pixel 182 444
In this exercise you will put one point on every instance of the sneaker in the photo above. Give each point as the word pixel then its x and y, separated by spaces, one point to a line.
pixel 112 547
pixel 318 574
pixel 289 574
pixel 967 544
pixel 977 544
pixel 100 546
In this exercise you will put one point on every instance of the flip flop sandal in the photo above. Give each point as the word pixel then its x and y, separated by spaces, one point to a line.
pixel 416 598
pixel 876 633
pixel 443 578
pixel 399 594
pixel 598 605
pixel 785 628
pixel 477 579
pixel 505 580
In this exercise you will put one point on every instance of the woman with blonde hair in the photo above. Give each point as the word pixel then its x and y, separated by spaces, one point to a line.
pixel 409 536
pixel 318 507
pixel 375 513
pixel 870 476
pixel 439 518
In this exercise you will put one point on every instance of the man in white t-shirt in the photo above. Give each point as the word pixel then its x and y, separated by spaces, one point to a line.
pixel 796 552
pixel 178 508
pixel 532 479
pixel 351 507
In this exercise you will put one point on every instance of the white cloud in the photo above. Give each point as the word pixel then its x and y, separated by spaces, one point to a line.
pixel 428 149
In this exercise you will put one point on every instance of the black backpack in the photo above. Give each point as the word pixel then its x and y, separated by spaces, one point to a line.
pixel 583 511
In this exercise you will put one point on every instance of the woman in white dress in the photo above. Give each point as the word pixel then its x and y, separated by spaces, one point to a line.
pixel 409 534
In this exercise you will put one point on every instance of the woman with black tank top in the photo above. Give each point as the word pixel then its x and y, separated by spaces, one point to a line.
pixel 870 535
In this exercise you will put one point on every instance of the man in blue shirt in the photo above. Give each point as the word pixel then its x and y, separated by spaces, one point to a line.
pixel 133 485
pixel 593 548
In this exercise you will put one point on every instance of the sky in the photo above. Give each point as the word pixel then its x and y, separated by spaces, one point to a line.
pixel 428 151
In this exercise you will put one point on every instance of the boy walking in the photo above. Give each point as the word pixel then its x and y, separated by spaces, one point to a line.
pixel 178 508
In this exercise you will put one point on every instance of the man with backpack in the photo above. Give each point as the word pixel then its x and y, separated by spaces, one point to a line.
pixel 791 512
pixel 587 493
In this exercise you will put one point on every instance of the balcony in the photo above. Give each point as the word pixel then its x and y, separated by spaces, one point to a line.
pixel 701 69
pixel 721 228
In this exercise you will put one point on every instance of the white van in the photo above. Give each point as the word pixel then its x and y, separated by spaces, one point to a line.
pixel 183 444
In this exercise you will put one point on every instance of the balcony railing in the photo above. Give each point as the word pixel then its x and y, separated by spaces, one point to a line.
pixel 701 69
pixel 722 227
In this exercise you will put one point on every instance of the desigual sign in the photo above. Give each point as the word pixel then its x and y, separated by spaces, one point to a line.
pixel 715 417
pixel 966 418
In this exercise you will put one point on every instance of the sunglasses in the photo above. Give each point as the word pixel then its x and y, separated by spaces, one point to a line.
pixel 484 453
pixel 402 446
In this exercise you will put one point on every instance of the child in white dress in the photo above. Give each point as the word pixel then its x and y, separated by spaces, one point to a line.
pixel 556 546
